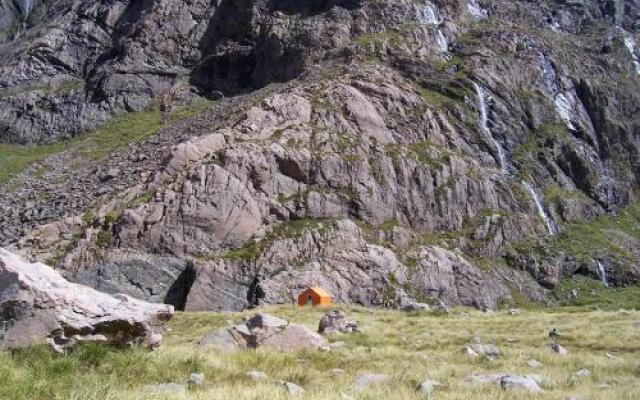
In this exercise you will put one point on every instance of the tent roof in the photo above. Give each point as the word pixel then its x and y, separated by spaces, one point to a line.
pixel 319 291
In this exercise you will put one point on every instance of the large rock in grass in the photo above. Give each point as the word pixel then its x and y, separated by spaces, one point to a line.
pixel 38 305
pixel 336 321
pixel 264 330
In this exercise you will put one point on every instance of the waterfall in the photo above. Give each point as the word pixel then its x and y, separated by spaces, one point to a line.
pixel 25 7
pixel 538 203
pixel 431 16
pixel 631 46
pixel 602 273
pixel 501 158
pixel 441 41
pixel 484 126
pixel 475 10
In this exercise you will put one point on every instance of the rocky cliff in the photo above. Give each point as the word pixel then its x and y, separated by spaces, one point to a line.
pixel 224 154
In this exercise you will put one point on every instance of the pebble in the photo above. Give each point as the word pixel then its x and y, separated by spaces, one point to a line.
pixel 196 379
pixel 428 387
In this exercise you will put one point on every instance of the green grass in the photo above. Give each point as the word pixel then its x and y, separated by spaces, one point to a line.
pixel 129 128
pixel 616 237
pixel 14 159
pixel 408 347
pixel 118 133
pixel 289 229
pixel 591 292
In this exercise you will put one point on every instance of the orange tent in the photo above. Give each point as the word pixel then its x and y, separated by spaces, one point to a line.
pixel 314 296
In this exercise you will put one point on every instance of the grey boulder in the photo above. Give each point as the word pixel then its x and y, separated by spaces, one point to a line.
pixel 336 321
pixel 38 305
pixel 265 331
pixel 516 382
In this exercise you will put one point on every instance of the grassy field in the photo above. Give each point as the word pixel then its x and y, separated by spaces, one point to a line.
pixel 408 347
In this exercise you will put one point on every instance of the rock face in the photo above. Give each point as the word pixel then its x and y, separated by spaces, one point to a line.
pixel 264 331
pixel 365 146
pixel 37 305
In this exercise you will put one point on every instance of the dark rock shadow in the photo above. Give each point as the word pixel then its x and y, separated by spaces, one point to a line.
pixel 179 290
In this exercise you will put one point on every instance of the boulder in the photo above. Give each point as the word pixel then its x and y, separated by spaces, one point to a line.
pixel 582 373
pixel 264 330
pixel 558 349
pixel 469 352
pixel 38 305
pixel 196 379
pixel 293 389
pixel 487 350
pixel 486 379
pixel 336 322
pixel 428 387
pixel 516 382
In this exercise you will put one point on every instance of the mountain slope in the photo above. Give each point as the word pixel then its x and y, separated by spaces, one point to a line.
pixel 391 151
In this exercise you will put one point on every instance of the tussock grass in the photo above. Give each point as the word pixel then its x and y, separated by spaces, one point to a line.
pixel 408 347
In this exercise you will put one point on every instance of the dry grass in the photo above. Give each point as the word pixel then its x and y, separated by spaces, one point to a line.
pixel 408 347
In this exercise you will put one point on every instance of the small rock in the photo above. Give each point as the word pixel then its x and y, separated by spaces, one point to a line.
pixel 516 382
pixel 153 340
pixel 112 173
pixel 196 379
pixel 534 363
pixel 428 387
pixel 256 375
pixel 604 386
pixel 367 380
pixel 337 345
pixel 293 389
pixel 611 356
pixel 416 307
pixel 554 333
pixel 442 308
pixel 559 350
pixel 582 373
pixel 469 352
pixel 514 311
pixel 487 350
pixel 485 379
pixel 336 372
